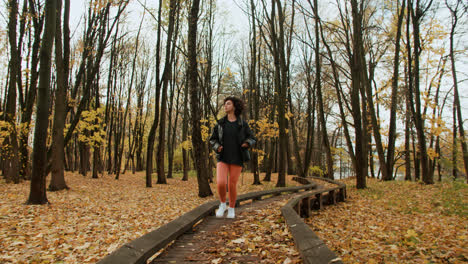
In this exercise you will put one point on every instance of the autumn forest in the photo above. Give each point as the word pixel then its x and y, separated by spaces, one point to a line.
pixel 126 93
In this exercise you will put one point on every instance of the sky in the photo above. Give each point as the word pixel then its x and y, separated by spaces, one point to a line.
pixel 233 16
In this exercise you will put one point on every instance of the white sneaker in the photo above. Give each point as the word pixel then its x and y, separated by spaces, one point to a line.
pixel 231 213
pixel 221 209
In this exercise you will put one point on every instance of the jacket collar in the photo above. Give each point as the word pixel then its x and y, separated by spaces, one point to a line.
pixel 224 119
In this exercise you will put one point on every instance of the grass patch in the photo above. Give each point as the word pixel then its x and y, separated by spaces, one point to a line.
pixel 452 198
pixel 373 192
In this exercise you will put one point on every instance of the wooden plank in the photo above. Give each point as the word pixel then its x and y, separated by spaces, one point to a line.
pixel 332 197
pixel 142 248
pixel 305 207
pixel 297 207
pixel 189 248
pixel 319 201
pixel 309 245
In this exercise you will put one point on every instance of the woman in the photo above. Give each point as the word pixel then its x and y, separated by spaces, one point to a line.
pixel 230 140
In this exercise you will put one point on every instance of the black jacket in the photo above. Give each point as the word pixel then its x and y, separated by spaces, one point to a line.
pixel 245 136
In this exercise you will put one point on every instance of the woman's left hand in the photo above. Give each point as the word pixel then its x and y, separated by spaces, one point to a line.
pixel 245 145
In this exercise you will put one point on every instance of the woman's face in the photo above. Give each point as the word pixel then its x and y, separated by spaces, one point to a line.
pixel 229 106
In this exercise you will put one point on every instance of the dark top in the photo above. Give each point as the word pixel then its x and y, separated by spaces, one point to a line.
pixel 243 134
pixel 231 152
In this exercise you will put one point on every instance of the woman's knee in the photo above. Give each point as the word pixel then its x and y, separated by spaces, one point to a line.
pixel 221 181
pixel 232 185
pixel 233 179
pixel 235 172
pixel 221 172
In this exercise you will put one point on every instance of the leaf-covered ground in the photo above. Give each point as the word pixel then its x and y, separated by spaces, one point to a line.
pixel 94 217
pixel 397 222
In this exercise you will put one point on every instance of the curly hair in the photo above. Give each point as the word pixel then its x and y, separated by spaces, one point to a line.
pixel 238 104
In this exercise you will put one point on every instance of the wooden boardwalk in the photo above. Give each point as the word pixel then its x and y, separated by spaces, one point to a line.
pixel 192 247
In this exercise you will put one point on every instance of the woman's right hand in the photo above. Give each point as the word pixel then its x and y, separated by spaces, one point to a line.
pixel 220 148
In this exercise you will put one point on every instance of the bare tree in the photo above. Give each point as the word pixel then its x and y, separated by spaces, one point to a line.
pixel 318 85
pixel 38 194
pixel 254 88
pixel 417 13
pixel 457 11
pixel 11 163
pixel 154 126
pixel 167 74
pixel 192 76
pixel 62 58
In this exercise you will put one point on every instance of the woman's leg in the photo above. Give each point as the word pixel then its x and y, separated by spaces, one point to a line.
pixel 234 173
pixel 221 180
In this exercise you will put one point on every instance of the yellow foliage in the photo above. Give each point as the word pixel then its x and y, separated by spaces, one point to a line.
pixel 98 5
pixel 91 127
pixel 265 129
pixel 205 126
pixel 261 155
pixel 187 144
pixel 316 171
pixel 205 132
pixel 432 153
pixel 5 131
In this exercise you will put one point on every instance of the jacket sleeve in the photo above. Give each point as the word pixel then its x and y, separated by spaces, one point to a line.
pixel 214 139
pixel 250 137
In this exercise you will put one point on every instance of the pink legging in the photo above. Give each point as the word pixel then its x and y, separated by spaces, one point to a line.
pixel 222 170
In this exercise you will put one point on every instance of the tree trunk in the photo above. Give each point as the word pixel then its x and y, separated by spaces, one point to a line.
pixel 416 158
pixel 165 82
pixel 393 105
pixel 25 164
pixel 255 90
pixel 173 140
pixel 418 120
pixel 357 82
pixel 409 112
pixel 57 181
pixel 185 156
pixel 154 126
pixel 96 132
pixel 38 181
pixel 318 85
pixel 270 151
pixel 11 161
pixel 454 143
pixel 454 12
pixel 407 139
pixel 170 127
pixel 197 142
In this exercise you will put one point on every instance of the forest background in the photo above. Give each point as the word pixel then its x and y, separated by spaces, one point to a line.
pixel 370 89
